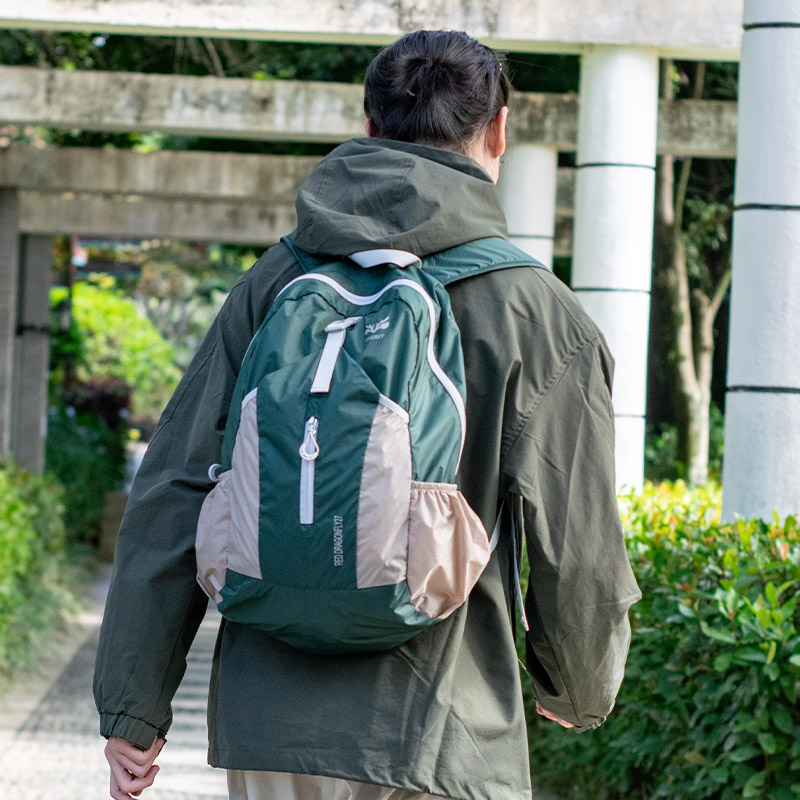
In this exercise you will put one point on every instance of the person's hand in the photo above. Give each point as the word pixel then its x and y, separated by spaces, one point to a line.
pixel 545 713
pixel 132 769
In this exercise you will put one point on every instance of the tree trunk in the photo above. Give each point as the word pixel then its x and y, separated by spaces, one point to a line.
pixel 705 313
pixel 670 260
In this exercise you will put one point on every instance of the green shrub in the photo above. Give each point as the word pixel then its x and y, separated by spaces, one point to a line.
pixel 88 459
pixel 709 706
pixel 118 342
pixel 661 449
pixel 33 596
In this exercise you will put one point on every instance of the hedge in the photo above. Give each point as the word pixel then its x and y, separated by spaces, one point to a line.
pixel 709 706
pixel 87 457
pixel 33 595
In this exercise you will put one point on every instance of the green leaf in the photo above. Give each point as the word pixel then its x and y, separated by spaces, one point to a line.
pixel 781 718
pixel 769 744
pixel 764 618
pixel 771 593
pixel 773 648
pixel 717 635
pixel 744 754
pixel 686 611
pixel 751 656
pixel 693 757
pixel 719 774
pixel 795 660
pixel 722 662
pixel 772 671
pixel 754 786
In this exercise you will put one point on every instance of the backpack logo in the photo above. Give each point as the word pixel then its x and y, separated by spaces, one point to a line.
pixel 372 331
pixel 338 541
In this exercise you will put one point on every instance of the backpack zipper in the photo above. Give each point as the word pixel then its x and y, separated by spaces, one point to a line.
pixel 309 450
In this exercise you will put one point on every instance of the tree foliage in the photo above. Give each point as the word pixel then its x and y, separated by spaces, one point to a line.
pixel 120 343
pixel 691 276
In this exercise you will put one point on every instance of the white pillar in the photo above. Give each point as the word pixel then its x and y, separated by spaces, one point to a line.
pixel 9 271
pixel 613 233
pixel 527 189
pixel 761 470
pixel 29 417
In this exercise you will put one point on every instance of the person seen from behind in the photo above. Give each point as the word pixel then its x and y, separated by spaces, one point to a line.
pixel 441 715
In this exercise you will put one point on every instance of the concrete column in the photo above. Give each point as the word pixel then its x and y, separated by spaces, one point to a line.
pixel 9 272
pixel 527 189
pixel 29 425
pixel 761 471
pixel 613 233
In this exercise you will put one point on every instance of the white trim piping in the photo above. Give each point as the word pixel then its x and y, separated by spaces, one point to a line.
pixel 395 407
pixel 249 396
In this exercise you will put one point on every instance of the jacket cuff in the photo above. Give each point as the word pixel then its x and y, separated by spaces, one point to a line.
pixel 136 731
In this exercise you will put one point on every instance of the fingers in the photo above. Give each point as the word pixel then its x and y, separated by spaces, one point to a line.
pixel 124 785
pixel 132 769
pixel 130 757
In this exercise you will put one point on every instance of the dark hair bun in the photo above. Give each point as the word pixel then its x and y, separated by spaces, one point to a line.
pixel 434 87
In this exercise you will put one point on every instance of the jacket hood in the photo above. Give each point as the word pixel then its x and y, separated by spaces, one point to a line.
pixel 375 193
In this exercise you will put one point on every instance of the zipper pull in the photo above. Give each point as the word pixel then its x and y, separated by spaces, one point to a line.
pixel 309 449
pixel 336 331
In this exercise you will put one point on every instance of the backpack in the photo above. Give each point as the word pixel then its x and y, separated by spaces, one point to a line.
pixel 335 523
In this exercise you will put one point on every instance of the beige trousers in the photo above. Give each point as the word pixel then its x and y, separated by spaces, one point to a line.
pixel 285 786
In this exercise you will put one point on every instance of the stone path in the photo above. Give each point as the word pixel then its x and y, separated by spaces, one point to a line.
pixel 54 752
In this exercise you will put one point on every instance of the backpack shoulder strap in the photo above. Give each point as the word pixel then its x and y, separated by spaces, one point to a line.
pixel 307 261
pixel 475 258
pixel 447 266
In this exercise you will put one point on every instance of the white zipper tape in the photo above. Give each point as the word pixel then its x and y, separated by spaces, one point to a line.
pixel 309 451
pixel 307 492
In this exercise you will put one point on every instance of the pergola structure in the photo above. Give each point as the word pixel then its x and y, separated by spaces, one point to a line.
pixel 614 126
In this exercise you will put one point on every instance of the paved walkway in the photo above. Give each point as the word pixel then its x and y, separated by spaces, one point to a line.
pixel 50 748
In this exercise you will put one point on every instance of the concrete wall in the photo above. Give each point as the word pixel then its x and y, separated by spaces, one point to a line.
pixel 705 29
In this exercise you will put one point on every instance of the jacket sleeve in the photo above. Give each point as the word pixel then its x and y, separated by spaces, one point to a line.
pixel 581 584
pixel 154 605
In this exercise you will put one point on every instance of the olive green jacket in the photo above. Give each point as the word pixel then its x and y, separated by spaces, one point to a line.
pixel 442 713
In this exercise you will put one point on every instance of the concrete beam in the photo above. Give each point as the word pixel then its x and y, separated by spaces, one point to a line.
pixel 300 111
pixel 190 106
pixel 178 174
pixel 104 217
pixel 703 29
pixel 166 173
